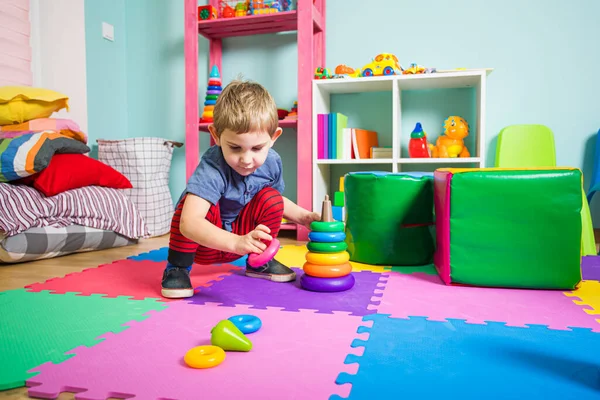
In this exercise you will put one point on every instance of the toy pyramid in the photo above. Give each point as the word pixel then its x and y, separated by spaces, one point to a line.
pixel 212 93
pixel 327 267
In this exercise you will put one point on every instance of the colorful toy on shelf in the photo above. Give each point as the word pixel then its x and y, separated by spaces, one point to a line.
pixel 382 64
pixel 414 69
pixel 293 114
pixel 451 144
pixel 207 12
pixel 417 146
pixel 343 71
pixel 212 93
pixel 322 73
pixel 241 8
pixel 327 267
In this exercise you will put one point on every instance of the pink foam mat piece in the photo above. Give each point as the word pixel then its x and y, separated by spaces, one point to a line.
pixel 138 279
pixel 422 295
pixel 295 355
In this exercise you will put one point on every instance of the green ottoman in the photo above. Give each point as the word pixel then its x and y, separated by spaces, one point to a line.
pixel 518 228
pixel 389 218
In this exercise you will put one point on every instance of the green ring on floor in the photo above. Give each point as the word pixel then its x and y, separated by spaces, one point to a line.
pixel 212 96
pixel 320 226
pixel 324 247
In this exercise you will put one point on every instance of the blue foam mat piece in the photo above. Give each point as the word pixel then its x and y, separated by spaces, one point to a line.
pixel 161 254
pixel 437 359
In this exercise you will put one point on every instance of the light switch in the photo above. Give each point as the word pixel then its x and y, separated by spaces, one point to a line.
pixel 108 32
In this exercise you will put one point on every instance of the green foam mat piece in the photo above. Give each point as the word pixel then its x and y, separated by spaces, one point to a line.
pixel 518 228
pixel 41 327
pixel 389 218
pixel 428 269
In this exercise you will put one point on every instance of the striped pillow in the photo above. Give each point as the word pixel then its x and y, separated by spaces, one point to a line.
pixel 28 154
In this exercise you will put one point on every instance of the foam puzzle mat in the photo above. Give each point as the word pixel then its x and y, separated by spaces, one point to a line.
pixel 106 332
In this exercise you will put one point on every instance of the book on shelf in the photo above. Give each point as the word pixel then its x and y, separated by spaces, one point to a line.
pixel 337 141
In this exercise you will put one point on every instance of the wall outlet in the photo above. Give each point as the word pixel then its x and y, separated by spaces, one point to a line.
pixel 108 31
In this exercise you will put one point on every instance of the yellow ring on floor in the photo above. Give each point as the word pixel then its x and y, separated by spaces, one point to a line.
pixel 327 271
pixel 328 258
pixel 204 356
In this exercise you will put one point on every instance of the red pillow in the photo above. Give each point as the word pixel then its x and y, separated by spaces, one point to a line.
pixel 72 171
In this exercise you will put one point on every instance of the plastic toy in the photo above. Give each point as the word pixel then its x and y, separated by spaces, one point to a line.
pixel 327 267
pixel 322 73
pixel 204 356
pixel 207 12
pixel 326 236
pixel 246 323
pixel 343 70
pixel 382 64
pixel 494 227
pixel 414 69
pixel 213 91
pixel 389 217
pixel 256 260
pixel 418 146
pixel 452 144
pixel 228 337
pixel 336 284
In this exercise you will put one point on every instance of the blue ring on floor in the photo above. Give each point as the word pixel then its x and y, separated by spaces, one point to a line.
pixel 246 323
pixel 327 237
pixel 210 102
pixel 215 88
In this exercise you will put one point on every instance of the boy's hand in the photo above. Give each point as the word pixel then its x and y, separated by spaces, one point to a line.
pixel 309 217
pixel 252 241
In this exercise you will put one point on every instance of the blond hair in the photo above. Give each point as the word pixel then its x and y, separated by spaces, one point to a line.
pixel 245 106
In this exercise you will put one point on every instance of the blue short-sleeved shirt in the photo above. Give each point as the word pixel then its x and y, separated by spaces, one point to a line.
pixel 215 181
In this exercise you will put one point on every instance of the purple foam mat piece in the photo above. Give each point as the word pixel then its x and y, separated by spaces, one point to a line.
pixel 590 268
pixel 294 356
pixel 237 289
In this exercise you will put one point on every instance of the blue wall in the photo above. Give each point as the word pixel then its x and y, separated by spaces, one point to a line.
pixel 106 71
pixel 544 66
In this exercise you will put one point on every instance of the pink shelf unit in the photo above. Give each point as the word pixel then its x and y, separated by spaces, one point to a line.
pixel 309 21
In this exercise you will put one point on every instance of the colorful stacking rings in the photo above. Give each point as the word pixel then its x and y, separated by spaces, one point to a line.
pixel 246 323
pixel 325 247
pixel 328 258
pixel 204 356
pixel 327 284
pixel 327 271
pixel 328 237
pixel 320 226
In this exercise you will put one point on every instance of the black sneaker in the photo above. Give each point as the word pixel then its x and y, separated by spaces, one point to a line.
pixel 176 283
pixel 273 271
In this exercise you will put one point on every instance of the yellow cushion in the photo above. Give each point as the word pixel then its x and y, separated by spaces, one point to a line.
pixel 19 104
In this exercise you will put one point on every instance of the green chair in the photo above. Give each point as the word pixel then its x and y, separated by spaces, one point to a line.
pixel 523 146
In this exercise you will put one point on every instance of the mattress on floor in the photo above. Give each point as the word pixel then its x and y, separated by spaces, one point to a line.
pixel 48 242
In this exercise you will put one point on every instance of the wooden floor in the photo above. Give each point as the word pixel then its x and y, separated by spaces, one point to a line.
pixel 19 275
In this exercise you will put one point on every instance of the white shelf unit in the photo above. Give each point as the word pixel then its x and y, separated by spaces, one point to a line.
pixel 404 91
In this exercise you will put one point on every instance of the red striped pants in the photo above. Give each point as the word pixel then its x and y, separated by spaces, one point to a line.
pixel 265 208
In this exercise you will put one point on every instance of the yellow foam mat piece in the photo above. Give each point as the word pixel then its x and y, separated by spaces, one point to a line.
pixel 293 255
pixel 588 294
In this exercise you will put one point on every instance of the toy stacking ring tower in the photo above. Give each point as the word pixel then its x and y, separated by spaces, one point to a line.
pixel 327 267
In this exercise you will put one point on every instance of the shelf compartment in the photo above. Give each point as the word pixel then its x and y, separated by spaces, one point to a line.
pixel 355 85
pixel 356 161
pixel 465 160
pixel 203 126
pixel 255 24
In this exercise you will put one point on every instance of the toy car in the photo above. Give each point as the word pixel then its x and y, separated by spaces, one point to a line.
pixel 382 64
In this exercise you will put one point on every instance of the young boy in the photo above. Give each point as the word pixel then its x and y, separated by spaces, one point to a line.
pixel 232 205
